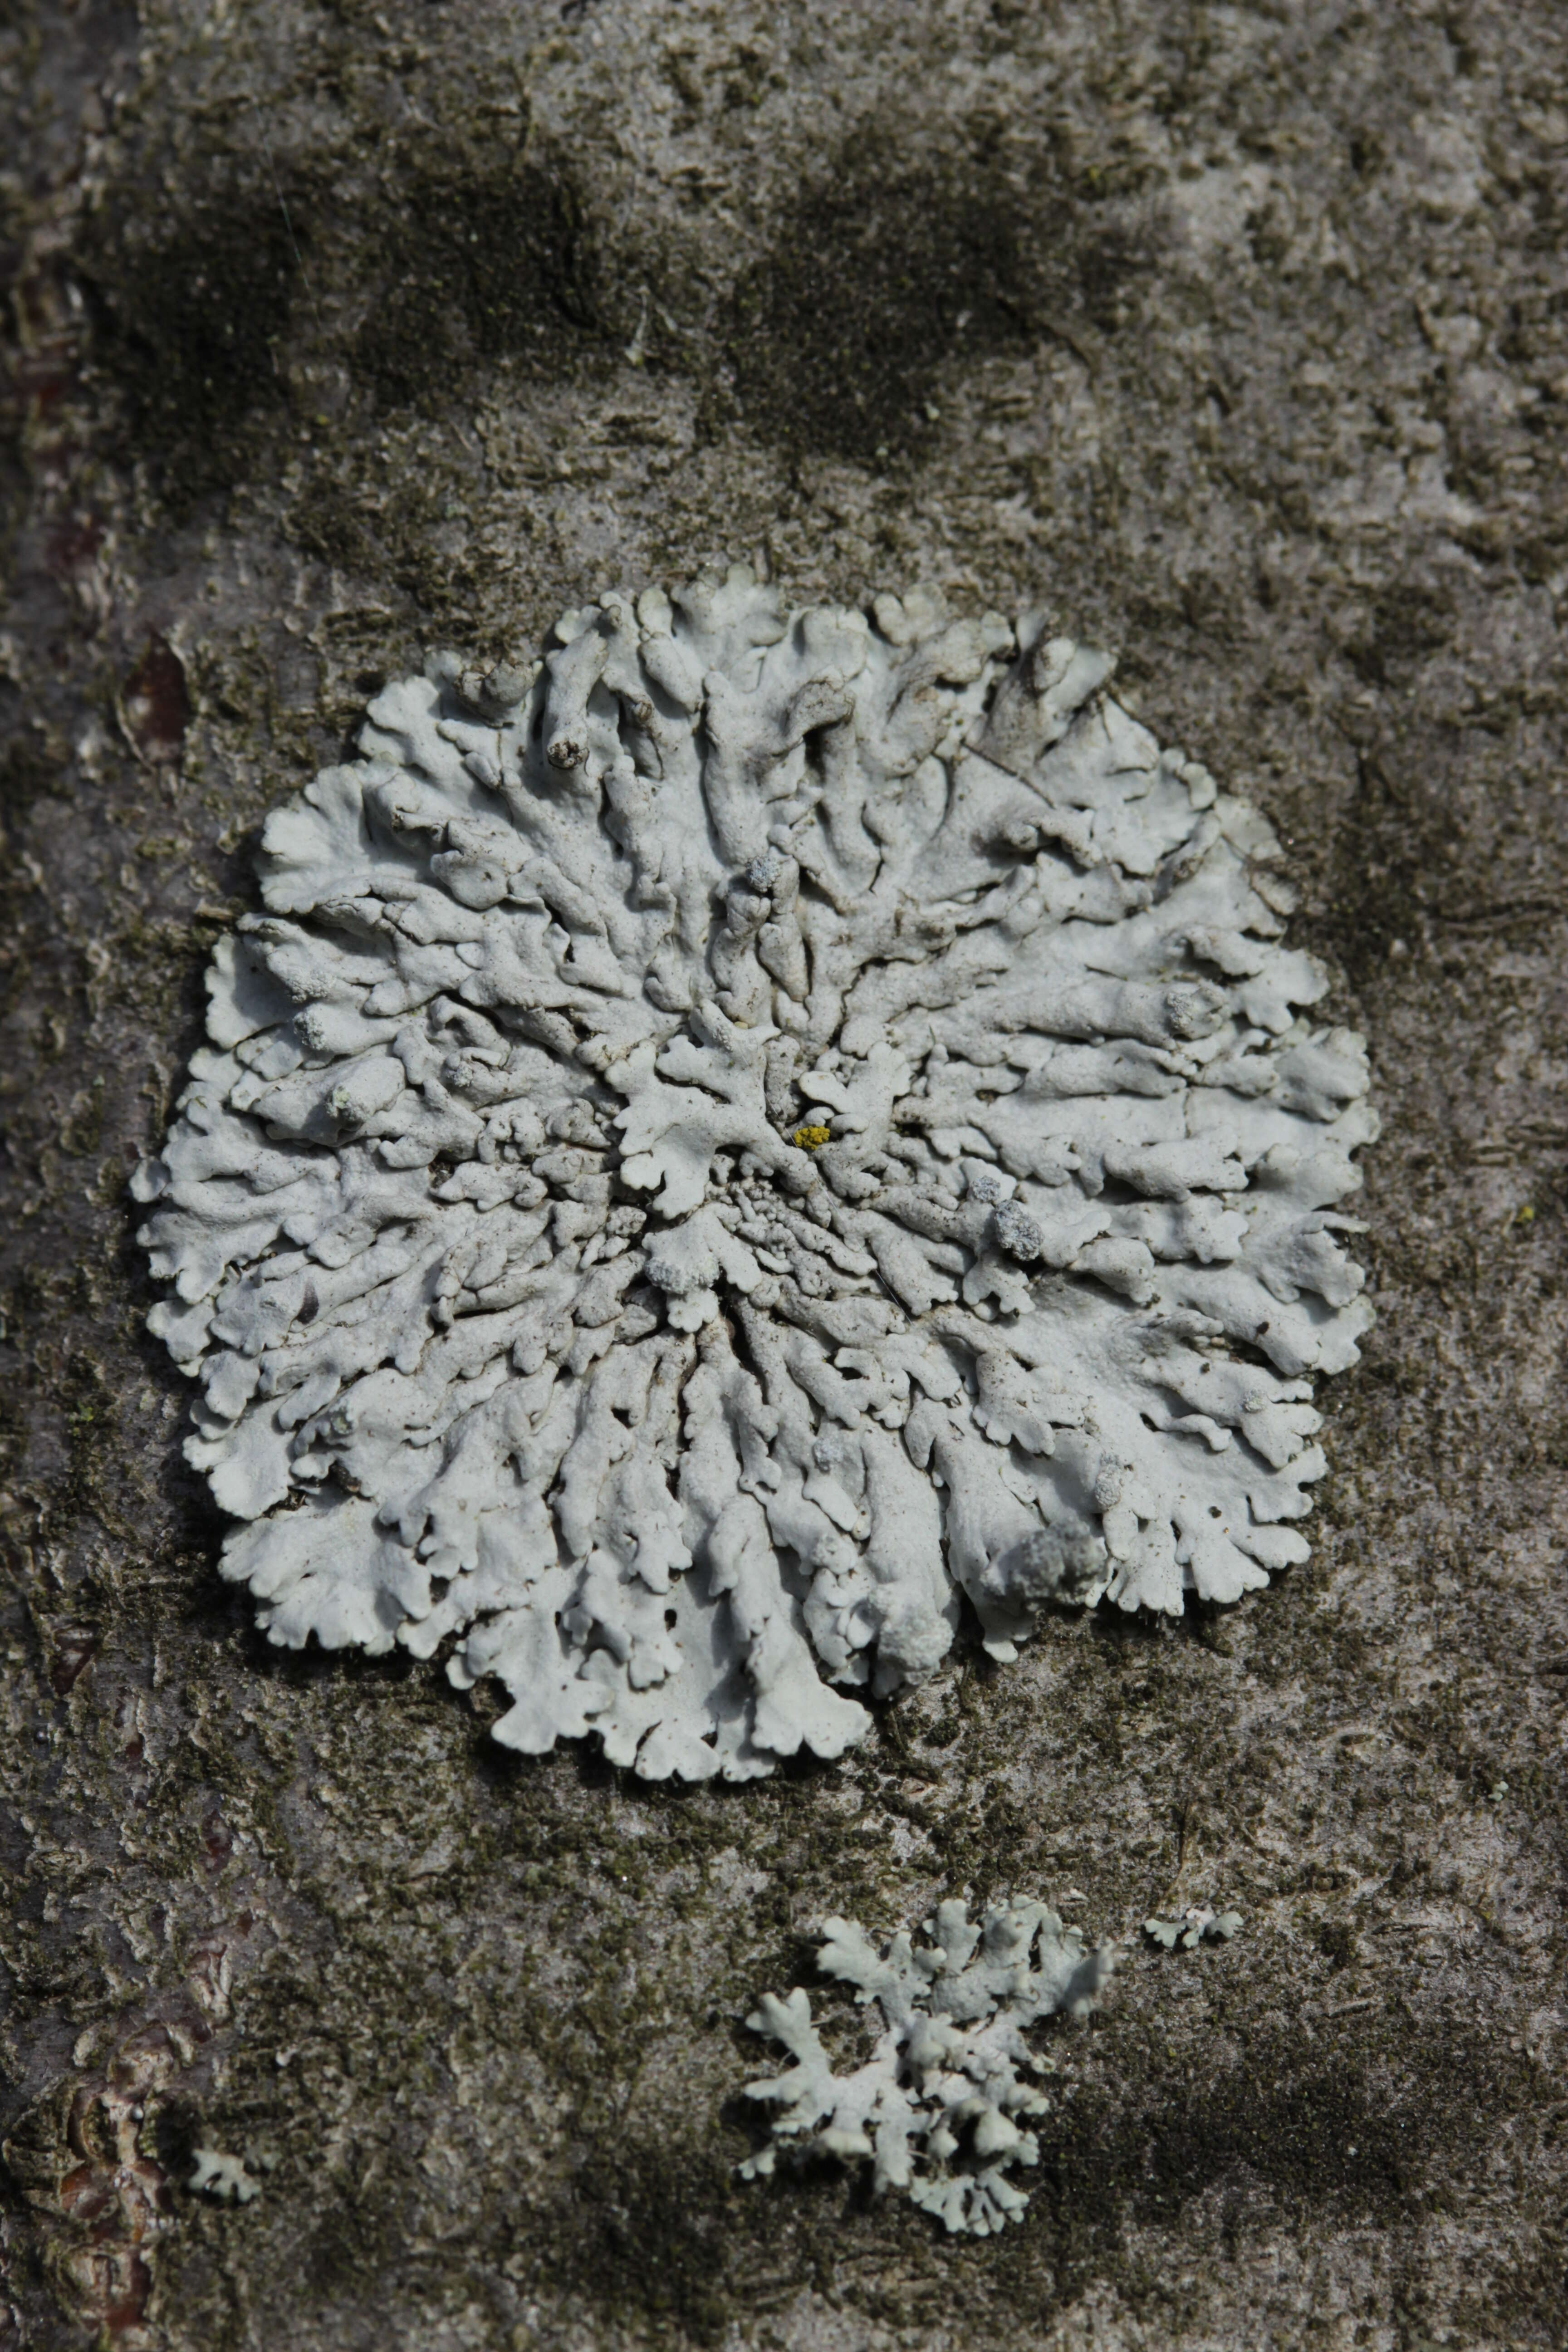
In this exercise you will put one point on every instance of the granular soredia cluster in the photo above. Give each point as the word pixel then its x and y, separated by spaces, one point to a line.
pixel 732 1137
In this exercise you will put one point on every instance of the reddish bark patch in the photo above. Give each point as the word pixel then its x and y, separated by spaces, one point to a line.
pixel 71 1652
pixel 217 1838
pixel 74 546
pixel 156 704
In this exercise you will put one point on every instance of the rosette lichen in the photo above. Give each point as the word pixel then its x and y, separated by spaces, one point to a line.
pixel 941 2108
pixel 730 1138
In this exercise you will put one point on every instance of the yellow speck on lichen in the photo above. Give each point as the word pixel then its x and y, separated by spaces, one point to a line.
pixel 812 1138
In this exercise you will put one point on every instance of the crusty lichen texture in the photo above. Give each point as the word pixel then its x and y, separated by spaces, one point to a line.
pixel 937 2105
pixel 736 1135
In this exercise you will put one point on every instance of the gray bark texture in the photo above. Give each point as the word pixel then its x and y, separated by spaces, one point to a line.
pixel 340 329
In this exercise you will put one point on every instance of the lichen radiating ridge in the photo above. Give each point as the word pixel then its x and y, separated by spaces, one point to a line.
pixel 730 1137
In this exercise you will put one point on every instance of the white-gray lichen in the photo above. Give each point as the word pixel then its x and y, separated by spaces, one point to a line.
pixel 936 2106
pixel 730 1137
pixel 1199 1924
pixel 222 2177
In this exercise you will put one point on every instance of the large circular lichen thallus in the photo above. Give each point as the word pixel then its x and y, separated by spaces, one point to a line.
pixel 734 1140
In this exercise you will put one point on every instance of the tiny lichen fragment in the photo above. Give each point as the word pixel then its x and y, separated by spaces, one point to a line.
pixel 936 2107
pixel 222 2177
pixel 728 1139
pixel 1197 1925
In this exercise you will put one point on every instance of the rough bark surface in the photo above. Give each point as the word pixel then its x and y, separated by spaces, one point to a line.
pixel 1240 336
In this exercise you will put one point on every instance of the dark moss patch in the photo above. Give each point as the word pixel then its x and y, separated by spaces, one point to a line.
pixel 1406 624
pixel 655 2233
pixel 1316 2139
pixel 247 313
pixel 190 321
pixel 28 766
pixel 883 270
pixel 666 2238
pixel 1337 1943
pixel 478 266
pixel 1381 877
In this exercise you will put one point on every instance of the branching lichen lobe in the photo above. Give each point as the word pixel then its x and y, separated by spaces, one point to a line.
pixel 941 2108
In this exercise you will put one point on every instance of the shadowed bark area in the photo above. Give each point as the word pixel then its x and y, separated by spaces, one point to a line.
pixel 1237 341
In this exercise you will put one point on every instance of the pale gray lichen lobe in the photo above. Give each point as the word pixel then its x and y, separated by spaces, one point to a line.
pixel 942 2107
pixel 532 1309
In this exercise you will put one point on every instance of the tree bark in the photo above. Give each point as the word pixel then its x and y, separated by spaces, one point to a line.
pixel 1239 339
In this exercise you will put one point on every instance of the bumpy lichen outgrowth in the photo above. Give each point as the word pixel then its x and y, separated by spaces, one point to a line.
pixel 733 1136
pixel 1199 1924
pixel 935 2106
